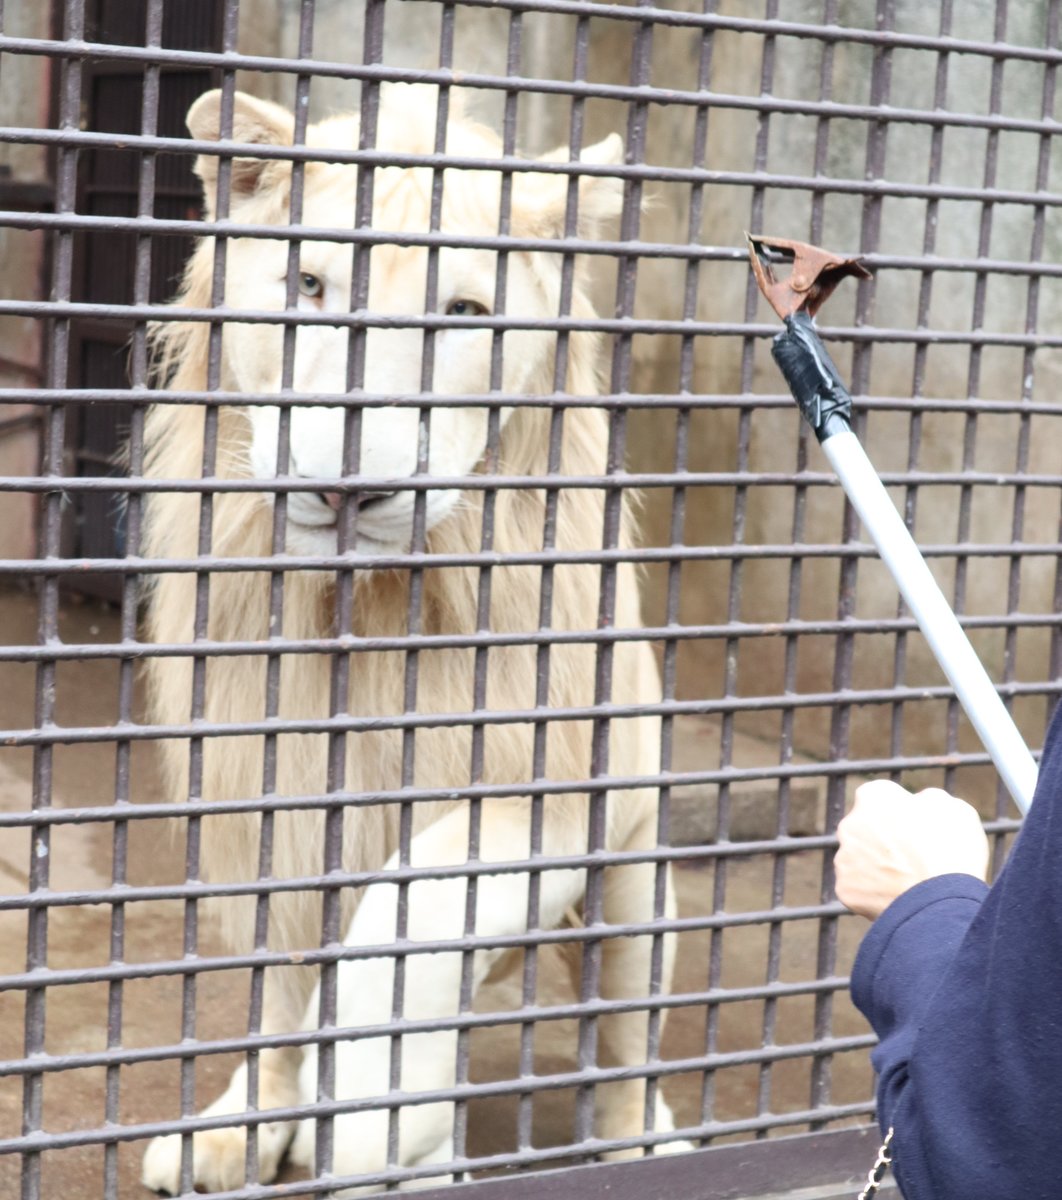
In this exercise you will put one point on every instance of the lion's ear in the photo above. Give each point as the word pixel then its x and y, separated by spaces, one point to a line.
pixel 600 196
pixel 541 200
pixel 258 122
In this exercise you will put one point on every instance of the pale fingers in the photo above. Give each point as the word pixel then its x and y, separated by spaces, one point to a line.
pixel 893 839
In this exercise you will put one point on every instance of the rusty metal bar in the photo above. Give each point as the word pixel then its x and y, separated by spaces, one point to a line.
pixel 662 16
pixel 698 251
pixel 376 73
pixel 58 357
pixel 557 399
pixel 375 158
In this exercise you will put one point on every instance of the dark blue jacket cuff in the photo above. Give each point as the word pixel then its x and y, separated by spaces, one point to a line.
pixel 903 909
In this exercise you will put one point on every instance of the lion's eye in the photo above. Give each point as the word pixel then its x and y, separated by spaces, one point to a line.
pixel 310 285
pixel 466 308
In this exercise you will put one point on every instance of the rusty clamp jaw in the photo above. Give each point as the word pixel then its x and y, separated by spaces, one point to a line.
pixel 816 272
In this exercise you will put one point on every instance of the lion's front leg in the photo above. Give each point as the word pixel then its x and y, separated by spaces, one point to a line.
pixel 626 971
pixel 220 1155
pixel 436 913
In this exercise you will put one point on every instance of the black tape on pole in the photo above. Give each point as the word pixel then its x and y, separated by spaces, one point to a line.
pixel 812 376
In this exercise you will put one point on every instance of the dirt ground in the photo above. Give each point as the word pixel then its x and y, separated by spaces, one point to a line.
pixel 76 1015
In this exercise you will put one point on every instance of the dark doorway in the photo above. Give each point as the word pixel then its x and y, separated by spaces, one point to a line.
pixel 105 265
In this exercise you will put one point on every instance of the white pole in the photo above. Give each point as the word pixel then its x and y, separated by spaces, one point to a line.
pixel 931 610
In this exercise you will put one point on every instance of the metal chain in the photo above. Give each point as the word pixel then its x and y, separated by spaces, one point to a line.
pixel 877 1172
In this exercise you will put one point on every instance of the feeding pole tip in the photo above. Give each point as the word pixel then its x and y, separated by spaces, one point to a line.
pixel 799 352
pixel 815 273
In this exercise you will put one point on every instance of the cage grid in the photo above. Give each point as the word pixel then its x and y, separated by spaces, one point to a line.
pixel 700 658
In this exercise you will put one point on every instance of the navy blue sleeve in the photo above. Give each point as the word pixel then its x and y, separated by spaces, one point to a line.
pixel 963 985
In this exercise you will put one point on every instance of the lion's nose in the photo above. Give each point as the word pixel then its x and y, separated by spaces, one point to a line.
pixel 363 499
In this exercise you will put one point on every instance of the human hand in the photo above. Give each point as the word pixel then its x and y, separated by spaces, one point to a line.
pixel 893 839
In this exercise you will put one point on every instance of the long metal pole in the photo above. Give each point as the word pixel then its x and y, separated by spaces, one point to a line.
pixel 945 635
pixel 826 404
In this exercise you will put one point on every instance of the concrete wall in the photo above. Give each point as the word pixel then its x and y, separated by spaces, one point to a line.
pixel 786 145
pixel 23 101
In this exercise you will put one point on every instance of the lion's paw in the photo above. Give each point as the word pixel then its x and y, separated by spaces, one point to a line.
pixel 219 1158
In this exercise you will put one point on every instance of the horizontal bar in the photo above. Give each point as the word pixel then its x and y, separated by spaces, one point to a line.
pixel 157 226
pixel 353 561
pixel 625 401
pixel 290 484
pixel 76 138
pixel 832 33
pixel 596 89
pixel 125 1056
pixel 537 865
pixel 365 319
pixel 55 309
pixel 655 15
pixel 184 809
pixel 689 251
pixel 587 1149
pixel 126 894
pixel 45 977
pixel 526 1085
pixel 531 1157
pixel 352 644
pixel 347 723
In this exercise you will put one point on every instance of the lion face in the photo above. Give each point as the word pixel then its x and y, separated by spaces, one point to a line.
pixel 370 445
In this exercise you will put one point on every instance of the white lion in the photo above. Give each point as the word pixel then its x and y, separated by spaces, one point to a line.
pixel 372 682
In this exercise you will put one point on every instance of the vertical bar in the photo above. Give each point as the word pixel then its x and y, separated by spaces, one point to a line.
pixel 796 574
pixel 346 524
pixel 130 582
pixel 276 590
pixel 826 956
pixel 230 23
pixel 726 739
pixel 929 241
pixel 973 382
pixel 48 601
pixel 590 983
pixel 1032 308
pixel 677 538
pixel 546 579
pixel 416 574
pixel 481 659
